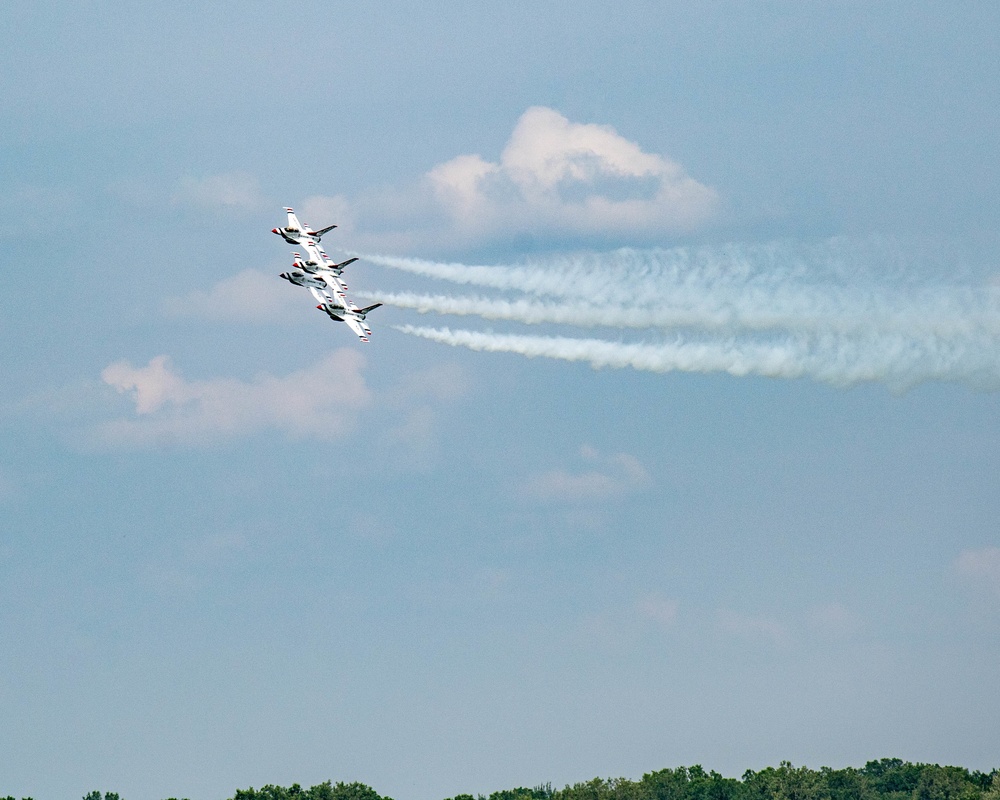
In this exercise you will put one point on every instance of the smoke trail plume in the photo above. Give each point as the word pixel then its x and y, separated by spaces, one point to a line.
pixel 943 315
pixel 899 364
pixel 532 312
pixel 839 312
pixel 835 287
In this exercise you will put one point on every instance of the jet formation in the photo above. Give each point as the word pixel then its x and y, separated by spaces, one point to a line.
pixel 322 276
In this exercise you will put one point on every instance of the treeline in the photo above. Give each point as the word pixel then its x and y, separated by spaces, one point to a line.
pixel 887 779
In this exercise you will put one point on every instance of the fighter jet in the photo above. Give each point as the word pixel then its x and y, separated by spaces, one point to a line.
pixel 313 264
pixel 321 275
pixel 317 260
pixel 340 309
pixel 297 233
pixel 317 271
pixel 317 280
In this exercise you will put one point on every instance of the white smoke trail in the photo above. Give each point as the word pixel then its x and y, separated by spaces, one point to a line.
pixel 828 288
pixel 532 312
pixel 520 278
pixel 656 274
pixel 899 363
pixel 839 312
pixel 944 315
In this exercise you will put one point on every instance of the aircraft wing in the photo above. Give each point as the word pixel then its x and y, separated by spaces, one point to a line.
pixel 325 297
pixel 357 327
pixel 315 252
pixel 331 280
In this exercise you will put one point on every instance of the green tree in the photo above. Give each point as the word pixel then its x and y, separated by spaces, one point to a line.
pixel 321 791
pixel 710 785
pixel 666 784
pixel 347 791
pixel 786 783
pixel 893 778
pixel 945 783
pixel 847 784
pixel 520 793
pixel 596 789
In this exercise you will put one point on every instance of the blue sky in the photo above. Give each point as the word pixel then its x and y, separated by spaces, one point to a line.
pixel 238 547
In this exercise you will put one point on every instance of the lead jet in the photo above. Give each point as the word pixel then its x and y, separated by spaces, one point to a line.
pixel 340 309
pixel 297 233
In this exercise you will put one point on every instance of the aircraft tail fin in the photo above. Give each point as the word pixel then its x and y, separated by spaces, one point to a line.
pixel 343 264
pixel 293 221
pixel 319 233
pixel 362 311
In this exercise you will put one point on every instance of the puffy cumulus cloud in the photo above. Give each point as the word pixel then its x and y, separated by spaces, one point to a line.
pixel 980 568
pixel 321 401
pixel 251 295
pixel 608 477
pixel 229 191
pixel 556 175
pixel 325 400
pixel 555 179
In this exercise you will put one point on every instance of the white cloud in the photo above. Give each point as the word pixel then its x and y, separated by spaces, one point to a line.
pixel 980 567
pixel 325 401
pixel 610 477
pixel 321 401
pixel 458 184
pixel 554 179
pixel 252 295
pixel 556 175
pixel 230 191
